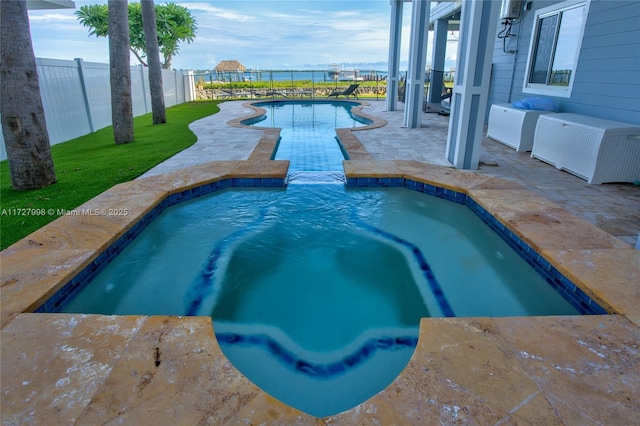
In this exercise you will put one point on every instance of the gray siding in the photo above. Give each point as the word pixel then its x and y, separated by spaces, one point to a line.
pixel 607 77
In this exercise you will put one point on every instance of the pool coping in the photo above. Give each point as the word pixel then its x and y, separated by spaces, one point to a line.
pixel 39 265
pixel 350 143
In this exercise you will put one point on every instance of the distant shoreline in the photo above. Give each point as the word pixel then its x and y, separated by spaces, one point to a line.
pixel 316 76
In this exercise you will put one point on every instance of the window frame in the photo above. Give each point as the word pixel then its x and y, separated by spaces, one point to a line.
pixel 556 9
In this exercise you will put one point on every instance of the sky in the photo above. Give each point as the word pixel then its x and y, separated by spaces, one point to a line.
pixel 275 34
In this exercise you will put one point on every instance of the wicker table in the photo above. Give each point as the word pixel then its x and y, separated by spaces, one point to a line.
pixel 513 127
pixel 591 148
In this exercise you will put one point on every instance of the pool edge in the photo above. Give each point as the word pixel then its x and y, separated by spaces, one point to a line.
pixel 489 368
pixel 569 244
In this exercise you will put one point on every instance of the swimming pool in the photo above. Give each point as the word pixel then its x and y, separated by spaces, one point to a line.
pixel 308 136
pixel 334 353
pixel 318 289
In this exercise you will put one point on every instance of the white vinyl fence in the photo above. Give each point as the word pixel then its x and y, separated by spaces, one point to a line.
pixel 77 99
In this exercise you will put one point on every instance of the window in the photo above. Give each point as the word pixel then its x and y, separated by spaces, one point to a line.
pixel 554 49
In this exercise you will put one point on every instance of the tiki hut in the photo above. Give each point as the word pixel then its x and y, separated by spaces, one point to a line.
pixel 229 71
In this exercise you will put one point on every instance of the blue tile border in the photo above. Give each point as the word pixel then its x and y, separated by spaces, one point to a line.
pixel 57 302
pixel 398 182
pixel 204 283
pixel 318 370
pixel 385 182
pixel 572 293
pixel 419 258
pixel 563 285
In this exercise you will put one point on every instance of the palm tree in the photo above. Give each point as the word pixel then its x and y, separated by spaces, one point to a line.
pixel 153 59
pixel 23 122
pixel 120 72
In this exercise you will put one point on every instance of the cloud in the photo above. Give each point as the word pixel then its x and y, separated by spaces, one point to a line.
pixel 282 16
pixel 52 18
pixel 218 12
pixel 259 34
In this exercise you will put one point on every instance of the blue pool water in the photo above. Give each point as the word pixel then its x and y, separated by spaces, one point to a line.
pixel 308 136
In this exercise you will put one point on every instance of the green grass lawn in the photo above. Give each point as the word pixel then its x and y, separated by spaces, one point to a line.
pixel 91 164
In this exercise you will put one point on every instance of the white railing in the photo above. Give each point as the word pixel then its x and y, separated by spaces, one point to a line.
pixel 77 99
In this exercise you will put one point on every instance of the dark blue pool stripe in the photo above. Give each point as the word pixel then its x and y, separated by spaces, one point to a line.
pixel 427 272
pixel 60 299
pixel 317 370
pixel 563 285
pixel 203 284
pixel 555 278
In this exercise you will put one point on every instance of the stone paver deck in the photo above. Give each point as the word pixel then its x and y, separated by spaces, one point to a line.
pixel 94 369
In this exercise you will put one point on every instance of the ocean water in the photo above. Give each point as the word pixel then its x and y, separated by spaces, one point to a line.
pixel 283 75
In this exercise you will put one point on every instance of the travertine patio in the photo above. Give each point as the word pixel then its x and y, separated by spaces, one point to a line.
pixel 88 369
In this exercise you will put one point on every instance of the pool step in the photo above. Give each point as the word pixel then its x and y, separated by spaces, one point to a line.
pixel 315 178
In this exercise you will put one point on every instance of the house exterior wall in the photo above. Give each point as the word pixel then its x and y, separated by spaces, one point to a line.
pixel 607 76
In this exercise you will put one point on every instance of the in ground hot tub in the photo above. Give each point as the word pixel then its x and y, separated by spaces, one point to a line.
pixel 316 291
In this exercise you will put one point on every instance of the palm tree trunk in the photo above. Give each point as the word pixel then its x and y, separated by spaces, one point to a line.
pixel 23 122
pixel 153 58
pixel 120 72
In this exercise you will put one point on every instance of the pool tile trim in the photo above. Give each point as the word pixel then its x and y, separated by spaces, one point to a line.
pixel 61 297
pixel 583 301
pixel 38 266
pixel 258 111
pixel 419 259
pixel 313 369
pixel 563 285
pixel 570 291
pixel 510 219
pixel 350 145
